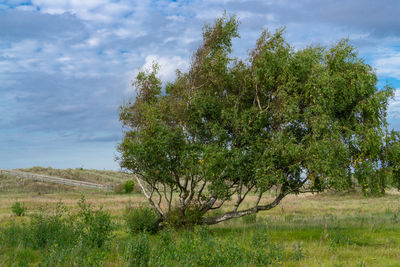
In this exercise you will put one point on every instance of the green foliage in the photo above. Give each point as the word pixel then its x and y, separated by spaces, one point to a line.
pixel 298 252
pixel 47 229
pixel 95 226
pixel 13 235
pixel 323 231
pixel 89 228
pixel 299 120
pixel 129 186
pixel 18 209
pixel 77 255
pixel 188 218
pixel 141 219
pixel 201 247
pixel 265 252
pixel 250 219
pixel 338 237
pixel 138 251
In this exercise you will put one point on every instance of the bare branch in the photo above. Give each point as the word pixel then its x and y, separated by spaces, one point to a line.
pixel 201 191
pixel 219 205
pixel 238 214
pixel 258 99
pixel 240 198
pixel 149 197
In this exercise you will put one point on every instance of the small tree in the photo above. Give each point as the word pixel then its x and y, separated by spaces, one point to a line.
pixel 128 186
pixel 295 121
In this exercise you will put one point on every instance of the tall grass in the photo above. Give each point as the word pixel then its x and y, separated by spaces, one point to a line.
pixel 306 236
pixel 58 235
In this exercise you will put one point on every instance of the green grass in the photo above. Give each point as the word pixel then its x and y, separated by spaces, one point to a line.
pixel 309 230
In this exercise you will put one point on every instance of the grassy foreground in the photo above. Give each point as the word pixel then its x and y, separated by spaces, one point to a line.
pixel 308 230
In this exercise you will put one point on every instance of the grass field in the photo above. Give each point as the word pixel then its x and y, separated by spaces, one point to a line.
pixel 306 230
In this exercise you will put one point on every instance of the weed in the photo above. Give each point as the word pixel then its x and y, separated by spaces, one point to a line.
pixel 298 252
pixel 138 251
pixel 249 219
pixel 264 251
pixel 78 255
pixel 49 229
pixel 18 209
pixel 95 226
pixel 338 237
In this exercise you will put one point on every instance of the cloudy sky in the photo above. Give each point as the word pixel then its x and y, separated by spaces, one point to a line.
pixel 67 65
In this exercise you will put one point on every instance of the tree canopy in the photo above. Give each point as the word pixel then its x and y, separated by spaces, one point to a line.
pixel 230 129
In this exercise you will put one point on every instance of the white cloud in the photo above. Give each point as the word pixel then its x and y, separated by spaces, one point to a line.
pixel 104 11
pixel 389 65
pixel 93 41
pixel 167 72
pixel 394 106
pixel 168 65
pixel 68 5
pixel 86 55
pixel 26 8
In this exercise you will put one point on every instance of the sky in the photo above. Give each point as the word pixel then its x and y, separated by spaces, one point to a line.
pixel 67 65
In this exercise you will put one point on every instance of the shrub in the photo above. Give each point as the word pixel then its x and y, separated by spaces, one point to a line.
pixel 188 218
pixel 18 209
pixel 95 226
pixel 128 186
pixel 87 229
pixel 141 219
pixel 49 229
pixel 125 188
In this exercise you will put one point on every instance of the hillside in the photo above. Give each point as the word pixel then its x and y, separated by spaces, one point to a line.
pixel 11 184
pixel 95 176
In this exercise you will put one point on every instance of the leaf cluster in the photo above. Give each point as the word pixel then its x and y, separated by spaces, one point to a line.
pixel 298 120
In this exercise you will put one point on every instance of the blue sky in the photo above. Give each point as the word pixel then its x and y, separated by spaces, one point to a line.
pixel 67 65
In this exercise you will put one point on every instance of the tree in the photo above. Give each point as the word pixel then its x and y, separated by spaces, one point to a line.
pixel 228 129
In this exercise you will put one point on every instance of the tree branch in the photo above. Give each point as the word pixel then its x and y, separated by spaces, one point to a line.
pixel 238 214
pixel 158 210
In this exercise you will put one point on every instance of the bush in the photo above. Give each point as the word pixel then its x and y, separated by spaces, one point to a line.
pixel 141 219
pixel 95 226
pixel 184 219
pixel 49 229
pixel 128 186
pixel 125 188
pixel 18 209
pixel 87 229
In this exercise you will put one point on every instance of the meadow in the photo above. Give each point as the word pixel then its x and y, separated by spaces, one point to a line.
pixel 68 226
